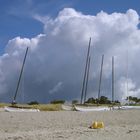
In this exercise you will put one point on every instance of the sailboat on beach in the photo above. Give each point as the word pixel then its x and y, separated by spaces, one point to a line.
pixel 84 84
pixel 14 107
pixel 83 107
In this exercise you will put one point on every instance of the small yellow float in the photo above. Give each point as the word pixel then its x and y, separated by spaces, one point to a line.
pixel 97 125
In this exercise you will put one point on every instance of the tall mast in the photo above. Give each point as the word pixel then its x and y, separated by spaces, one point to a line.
pixel 112 79
pixel 100 77
pixel 85 73
pixel 14 99
pixel 87 79
pixel 127 94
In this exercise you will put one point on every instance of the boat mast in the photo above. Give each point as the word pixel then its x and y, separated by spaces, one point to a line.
pixel 112 79
pixel 14 99
pixel 127 94
pixel 85 73
pixel 87 79
pixel 100 78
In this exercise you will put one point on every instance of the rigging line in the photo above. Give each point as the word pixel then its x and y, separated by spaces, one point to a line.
pixel 87 77
pixel 100 78
pixel 83 86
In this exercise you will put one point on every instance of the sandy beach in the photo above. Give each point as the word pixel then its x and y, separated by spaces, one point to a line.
pixel 70 125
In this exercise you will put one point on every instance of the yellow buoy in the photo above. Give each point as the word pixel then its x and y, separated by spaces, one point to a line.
pixel 97 125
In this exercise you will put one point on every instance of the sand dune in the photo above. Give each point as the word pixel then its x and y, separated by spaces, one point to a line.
pixel 70 125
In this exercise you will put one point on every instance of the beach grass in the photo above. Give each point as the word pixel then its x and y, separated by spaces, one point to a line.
pixel 41 107
pixel 47 107
pixel 4 104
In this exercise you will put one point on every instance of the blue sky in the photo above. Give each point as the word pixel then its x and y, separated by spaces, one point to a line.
pixel 16 16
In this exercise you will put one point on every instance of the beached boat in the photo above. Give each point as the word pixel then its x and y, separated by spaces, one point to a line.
pixel 91 108
pixel 130 107
pixel 14 107
pixel 67 107
pixel 19 109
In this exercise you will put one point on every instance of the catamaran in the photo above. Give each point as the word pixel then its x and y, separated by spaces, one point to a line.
pixel 91 108
pixel 14 107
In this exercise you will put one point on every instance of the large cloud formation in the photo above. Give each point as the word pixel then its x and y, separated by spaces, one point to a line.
pixel 56 59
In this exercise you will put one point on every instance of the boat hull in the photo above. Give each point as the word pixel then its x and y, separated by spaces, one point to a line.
pixel 130 107
pixel 87 109
pixel 67 107
pixel 15 109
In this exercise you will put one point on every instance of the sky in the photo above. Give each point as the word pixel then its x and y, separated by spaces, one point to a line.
pixel 57 33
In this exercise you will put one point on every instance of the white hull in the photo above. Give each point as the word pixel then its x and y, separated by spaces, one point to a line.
pixel 67 107
pixel 87 109
pixel 130 107
pixel 12 109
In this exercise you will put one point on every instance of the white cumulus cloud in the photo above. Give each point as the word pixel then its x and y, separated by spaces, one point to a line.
pixel 58 54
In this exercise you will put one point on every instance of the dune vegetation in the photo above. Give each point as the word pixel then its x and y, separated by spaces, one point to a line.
pixel 41 107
